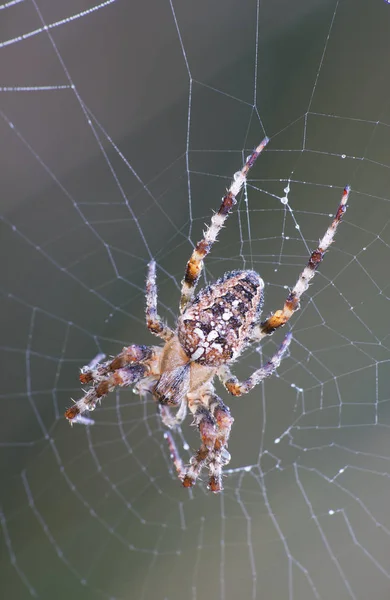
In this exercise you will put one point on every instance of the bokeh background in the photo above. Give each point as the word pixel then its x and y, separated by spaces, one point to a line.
pixel 121 126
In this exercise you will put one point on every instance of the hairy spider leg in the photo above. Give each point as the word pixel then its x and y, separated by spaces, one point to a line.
pixel 237 388
pixel 173 420
pixel 214 422
pixel 95 371
pixel 281 317
pixel 174 455
pixel 124 370
pixel 203 247
pixel 219 456
pixel 153 321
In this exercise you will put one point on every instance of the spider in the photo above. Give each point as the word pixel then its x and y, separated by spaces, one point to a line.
pixel 213 329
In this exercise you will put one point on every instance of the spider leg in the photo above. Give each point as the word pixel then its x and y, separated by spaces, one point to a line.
pixel 174 454
pixel 214 423
pixel 203 247
pixel 173 420
pixel 95 371
pixel 154 322
pixel 123 370
pixel 206 424
pixel 280 317
pixel 219 457
pixel 237 388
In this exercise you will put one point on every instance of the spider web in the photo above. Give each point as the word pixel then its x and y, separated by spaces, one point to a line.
pixel 122 124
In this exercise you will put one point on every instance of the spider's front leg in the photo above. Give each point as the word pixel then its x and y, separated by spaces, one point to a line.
pixel 237 388
pixel 202 248
pixel 291 304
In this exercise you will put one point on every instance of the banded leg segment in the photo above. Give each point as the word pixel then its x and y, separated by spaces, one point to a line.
pixel 214 422
pixel 205 422
pixel 237 388
pixel 119 378
pixel 123 370
pixel 220 456
pixel 203 247
pixel 130 354
pixel 280 317
pixel 154 322
pixel 174 454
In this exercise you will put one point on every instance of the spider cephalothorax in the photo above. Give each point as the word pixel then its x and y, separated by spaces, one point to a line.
pixel 213 329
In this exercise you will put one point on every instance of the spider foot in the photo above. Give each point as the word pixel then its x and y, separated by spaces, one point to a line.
pixel 188 481
pixel 215 484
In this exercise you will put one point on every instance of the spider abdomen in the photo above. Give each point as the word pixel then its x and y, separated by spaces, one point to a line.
pixel 215 327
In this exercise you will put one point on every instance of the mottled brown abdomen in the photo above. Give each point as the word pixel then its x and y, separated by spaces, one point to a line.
pixel 215 327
